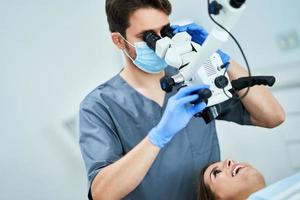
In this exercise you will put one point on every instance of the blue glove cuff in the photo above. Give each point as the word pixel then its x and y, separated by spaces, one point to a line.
pixel 154 137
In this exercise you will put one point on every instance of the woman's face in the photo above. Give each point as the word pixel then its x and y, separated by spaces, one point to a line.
pixel 232 180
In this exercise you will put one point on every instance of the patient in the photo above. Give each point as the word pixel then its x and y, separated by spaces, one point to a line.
pixel 229 180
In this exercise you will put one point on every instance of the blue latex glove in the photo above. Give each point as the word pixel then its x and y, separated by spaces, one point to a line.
pixel 199 35
pixel 178 113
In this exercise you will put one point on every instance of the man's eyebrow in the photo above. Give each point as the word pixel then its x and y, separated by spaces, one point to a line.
pixel 212 172
pixel 143 32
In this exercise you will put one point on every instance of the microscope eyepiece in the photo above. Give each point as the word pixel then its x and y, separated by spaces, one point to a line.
pixel 167 31
pixel 151 38
pixel 237 3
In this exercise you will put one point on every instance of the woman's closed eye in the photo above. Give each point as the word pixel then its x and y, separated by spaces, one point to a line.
pixel 216 172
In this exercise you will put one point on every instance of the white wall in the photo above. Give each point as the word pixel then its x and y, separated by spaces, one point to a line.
pixel 52 53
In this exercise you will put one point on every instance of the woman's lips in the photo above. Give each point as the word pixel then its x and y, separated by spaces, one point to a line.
pixel 236 169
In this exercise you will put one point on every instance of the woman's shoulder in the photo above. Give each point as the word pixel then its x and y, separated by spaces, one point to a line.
pixel 287 188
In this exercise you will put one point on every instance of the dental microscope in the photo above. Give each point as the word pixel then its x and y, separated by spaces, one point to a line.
pixel 201 64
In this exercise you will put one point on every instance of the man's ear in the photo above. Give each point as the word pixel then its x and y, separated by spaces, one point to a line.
pixel 118 40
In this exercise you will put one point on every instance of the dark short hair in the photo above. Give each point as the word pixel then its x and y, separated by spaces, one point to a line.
pixel 118 12
pixel 204 191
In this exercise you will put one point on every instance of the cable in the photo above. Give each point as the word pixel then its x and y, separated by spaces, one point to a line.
pixel 241 50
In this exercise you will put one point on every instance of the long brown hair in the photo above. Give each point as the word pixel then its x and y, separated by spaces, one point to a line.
pixel 204 191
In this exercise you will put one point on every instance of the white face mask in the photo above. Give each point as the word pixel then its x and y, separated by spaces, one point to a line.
pixel 146 59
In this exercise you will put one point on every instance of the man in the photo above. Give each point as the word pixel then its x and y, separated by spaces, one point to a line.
pixel 139 142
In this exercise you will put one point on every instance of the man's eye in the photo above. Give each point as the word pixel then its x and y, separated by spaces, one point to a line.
pixel 216 172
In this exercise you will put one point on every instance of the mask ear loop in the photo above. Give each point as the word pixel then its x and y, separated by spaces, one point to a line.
pixel 124 49
pixel 127 55
pixel 126 40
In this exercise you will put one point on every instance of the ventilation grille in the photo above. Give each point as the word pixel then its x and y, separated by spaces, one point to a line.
pixel 209 69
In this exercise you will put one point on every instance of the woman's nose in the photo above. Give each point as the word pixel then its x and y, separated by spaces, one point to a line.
pixel 229 162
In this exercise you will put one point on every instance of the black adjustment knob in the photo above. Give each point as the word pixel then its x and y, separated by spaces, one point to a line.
pixel 203 94
pixel 221 82
pixel 214 8
pixel 167 83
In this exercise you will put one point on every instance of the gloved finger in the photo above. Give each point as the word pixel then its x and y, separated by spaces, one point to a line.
pixel 197 33
pixel 199 39
pixel 188 90
pixel 187 99
pixel 177 29
pixel 194 26
pixel 225 57
pixel 198 28
pixel 181 28
pixel 174 28
pixel 197 108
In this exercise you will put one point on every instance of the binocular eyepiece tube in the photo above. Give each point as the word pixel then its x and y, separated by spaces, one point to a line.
pixel 150 37
pixel 237 3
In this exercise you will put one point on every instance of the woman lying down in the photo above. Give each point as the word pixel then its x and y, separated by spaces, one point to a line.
pixel 230 180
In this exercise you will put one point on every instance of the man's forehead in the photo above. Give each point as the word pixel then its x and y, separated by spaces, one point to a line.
pixel 148 19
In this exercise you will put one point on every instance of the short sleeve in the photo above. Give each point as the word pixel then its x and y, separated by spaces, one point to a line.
pixel 99 141
pixel 234 111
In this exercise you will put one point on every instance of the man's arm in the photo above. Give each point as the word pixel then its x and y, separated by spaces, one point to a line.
pixel 120 178
pixel 264 109
pixel 262 106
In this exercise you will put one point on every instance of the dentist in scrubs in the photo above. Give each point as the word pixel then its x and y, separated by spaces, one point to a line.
pixel 138 142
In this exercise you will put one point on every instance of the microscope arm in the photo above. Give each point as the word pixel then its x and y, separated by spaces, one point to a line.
pixel 229 17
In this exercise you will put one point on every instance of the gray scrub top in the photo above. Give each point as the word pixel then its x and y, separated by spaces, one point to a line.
pixel 114 118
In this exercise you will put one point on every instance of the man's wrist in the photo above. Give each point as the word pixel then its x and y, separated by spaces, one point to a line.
pixel 155 139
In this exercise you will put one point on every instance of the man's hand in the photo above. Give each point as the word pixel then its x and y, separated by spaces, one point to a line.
pixel 178 113
pixel 199 35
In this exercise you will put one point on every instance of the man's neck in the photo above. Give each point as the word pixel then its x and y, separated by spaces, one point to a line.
pixel 140 79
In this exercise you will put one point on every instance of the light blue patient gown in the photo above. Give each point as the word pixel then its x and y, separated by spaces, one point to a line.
pixel 286 189
pixel 114 118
